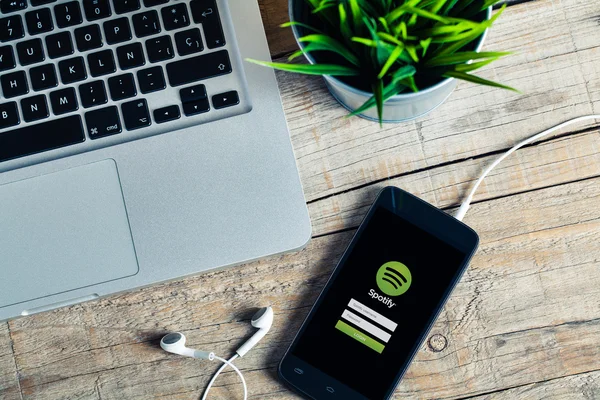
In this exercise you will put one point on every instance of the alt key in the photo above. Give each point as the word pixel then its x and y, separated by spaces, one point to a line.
pixel 226 99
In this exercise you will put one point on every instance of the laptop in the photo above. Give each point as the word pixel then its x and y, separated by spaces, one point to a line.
pixel 136 147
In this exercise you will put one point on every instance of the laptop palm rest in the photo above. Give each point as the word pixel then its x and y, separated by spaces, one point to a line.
pixel 63 231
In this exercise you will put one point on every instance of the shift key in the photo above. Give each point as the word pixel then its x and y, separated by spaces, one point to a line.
pixel 198 68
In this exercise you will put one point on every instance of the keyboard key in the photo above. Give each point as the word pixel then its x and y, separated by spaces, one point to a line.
pixel 196 107
pixel 146 23
pixel 151 79
pixel 101 63
pixel 135 114
pixel 192 93
pixel 152 3
pixel 88 37
pixel 96 9
pixel 226 99
pixel 9 115
pixel 43 77
pixel 30 52
pixel 117 30
pixel 206 13
pixel 8 6
pixel 72 70
pixel 63 101
pixel 14 84
pixel 68 14
pixel 59 45
pixel 7 58
pixel 189 42
pixel 130 56
pixel 39 21
pixel 92 94
pixel 41 137
pixel 166 114
pixel 11 28
pixel 34 108
pixel 41 2
pixel 159 49
pixel 200 67
pixel 103 122
pixel 175 16
pixel 121 87
pixel 125 6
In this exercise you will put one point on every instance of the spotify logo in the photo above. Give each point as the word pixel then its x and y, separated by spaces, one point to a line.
pixel 393 278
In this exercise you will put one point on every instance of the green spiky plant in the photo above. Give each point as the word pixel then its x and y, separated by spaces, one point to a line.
pixel 387 47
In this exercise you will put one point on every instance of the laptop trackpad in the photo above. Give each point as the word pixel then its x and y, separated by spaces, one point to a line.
pixel 63 231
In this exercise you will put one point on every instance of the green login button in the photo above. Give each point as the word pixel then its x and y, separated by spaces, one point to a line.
pixel 358 335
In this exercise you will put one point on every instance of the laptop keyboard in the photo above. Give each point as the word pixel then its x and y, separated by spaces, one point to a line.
pixel 86 74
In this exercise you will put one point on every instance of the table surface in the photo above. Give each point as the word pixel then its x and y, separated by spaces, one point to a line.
pixel 524 322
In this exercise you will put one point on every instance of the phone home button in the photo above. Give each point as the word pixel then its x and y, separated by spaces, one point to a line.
pixel 330 389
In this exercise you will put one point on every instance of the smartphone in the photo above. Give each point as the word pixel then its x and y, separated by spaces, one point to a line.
pixel 380 301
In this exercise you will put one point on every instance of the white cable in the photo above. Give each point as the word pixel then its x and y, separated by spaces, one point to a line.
pixel 225 364
pixel 464 207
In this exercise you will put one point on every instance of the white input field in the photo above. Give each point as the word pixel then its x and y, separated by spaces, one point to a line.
pixel 374 315
pixel 366 326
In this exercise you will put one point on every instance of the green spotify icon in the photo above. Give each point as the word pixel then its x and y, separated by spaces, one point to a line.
pixel 393 278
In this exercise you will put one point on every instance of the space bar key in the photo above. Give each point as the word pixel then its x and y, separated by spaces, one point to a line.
pixel 41 137
pixel 197 68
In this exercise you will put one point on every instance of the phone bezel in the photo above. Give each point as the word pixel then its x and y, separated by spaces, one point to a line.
pixel 426 217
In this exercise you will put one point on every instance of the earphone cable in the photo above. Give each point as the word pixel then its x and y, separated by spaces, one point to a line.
pixel 221 368
pixel 464 207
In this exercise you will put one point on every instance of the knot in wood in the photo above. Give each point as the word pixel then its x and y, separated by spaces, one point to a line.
pixel 438 342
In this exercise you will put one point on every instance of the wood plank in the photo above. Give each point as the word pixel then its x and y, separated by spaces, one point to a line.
pixel 274 13
pixel 9 384
pixel 561 160
pixel 527 310
pixel 573 387
pixel 556 66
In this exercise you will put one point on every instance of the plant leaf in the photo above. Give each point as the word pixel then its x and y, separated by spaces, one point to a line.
pixel 296 23
pixel 473 66
pixel 405 72
pixel 462 57
pixel 390 61
pixel 324 42
pixel 378 93
pixel 476 79
pixel 310 69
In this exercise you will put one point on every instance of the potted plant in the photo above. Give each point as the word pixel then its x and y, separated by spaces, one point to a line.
pixel 391 60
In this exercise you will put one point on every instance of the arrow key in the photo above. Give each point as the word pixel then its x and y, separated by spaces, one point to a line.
pixel 226 99
pixel 192 93
pixel 135 114
pixel 196 107
pixel 166 114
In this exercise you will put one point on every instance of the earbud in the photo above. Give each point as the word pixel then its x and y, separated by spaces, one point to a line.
pixel 175 343
pixel 262 319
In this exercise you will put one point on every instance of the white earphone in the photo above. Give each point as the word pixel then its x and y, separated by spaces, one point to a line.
pixel 175 343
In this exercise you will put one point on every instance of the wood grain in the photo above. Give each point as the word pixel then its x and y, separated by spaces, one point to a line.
pixel 9 384
pixel 526 311
pixel 572 387
pixel 561 160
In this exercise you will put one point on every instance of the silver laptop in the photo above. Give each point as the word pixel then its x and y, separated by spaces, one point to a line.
pixel 136 146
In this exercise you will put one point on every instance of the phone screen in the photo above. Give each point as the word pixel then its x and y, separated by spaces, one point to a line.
pixel 378 305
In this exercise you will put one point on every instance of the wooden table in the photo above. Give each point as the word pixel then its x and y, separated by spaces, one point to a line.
pixel 523 323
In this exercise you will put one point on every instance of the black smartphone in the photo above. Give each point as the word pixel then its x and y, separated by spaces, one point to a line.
pixel 380 302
